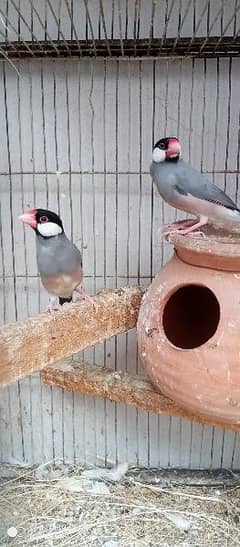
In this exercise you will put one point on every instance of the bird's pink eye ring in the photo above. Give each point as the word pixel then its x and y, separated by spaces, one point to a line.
pixel 43 219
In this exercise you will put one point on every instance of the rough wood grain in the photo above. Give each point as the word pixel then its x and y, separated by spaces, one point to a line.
pixel 36 342
pixel 119 387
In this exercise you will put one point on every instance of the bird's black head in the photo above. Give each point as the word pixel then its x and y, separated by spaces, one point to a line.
pixel 45 223
pixel 168 149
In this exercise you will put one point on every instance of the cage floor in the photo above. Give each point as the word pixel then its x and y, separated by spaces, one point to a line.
pixel 54 505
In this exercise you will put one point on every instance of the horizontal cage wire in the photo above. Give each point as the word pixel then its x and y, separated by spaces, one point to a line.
pixel 115 28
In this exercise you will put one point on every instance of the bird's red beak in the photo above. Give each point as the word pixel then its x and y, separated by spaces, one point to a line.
pixel 174 148
pixel 29 217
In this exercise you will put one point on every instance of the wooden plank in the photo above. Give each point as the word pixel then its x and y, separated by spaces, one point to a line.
pixel 120 387
pixel 34 343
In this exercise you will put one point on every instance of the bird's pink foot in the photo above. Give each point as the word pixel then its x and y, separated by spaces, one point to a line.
pixel 53 305
pixel 184 227
pixel 82 295
pixel 178 227
pixel 192 232
pixel 67 305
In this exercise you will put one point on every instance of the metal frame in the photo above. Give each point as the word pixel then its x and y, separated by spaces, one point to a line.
pixel 130 43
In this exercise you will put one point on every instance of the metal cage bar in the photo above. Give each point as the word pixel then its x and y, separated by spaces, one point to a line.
pixel 75 31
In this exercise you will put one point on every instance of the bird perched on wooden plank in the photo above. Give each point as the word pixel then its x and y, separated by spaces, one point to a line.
pixel 183 187
pixel 59 260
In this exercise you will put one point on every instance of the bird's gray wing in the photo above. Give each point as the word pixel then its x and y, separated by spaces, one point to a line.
pixel 189 181
pixel 68 256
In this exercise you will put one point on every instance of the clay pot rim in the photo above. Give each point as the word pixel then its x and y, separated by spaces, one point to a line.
pixel 217 240
pixel 214 251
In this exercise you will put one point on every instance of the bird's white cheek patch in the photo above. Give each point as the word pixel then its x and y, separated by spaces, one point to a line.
pixel 158 155
pixel 49 229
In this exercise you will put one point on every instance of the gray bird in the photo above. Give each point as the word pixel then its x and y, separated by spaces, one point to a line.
pixel 59 260
pixel 186 189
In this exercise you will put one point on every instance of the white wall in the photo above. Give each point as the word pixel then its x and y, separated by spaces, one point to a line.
pixel 76 136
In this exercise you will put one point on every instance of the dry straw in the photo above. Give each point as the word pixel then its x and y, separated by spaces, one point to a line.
pixel 56 505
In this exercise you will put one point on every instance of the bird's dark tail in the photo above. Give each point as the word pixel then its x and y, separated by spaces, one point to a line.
pixel 63 300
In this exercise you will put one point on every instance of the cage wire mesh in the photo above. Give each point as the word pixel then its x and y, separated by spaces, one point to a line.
pixel 106 28
pixel 77 135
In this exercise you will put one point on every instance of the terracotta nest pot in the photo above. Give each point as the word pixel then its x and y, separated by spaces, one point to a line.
pixel 189 326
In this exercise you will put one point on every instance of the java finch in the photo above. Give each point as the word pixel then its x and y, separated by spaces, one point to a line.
pixel 59 260
pixel 183 187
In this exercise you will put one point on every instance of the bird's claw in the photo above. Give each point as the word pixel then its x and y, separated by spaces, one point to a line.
pixel 198 233
pixel 82 295
pixel 87 297
pixel 53 305
pixel 178 227
pixel 183 233
pixel 67 305
pixel 183 227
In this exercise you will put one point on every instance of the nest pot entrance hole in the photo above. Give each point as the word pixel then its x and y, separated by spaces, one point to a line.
pixel 191 316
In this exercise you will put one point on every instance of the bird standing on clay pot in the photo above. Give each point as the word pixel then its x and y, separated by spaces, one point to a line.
pixel 183 187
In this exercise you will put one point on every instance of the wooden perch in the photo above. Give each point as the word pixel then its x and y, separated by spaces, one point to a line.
pixel 119 387
pixel 32 344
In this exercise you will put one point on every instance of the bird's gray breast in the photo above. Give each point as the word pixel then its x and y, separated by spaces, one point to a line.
pixel 57 255
pixel 164 176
